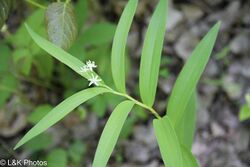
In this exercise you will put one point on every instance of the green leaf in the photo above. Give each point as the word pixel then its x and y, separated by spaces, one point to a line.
pixel 188 159
pixel 127 129
pixel 5 6
pixel 57 157
pixel 61 111
pixel 185 128
pixel 44 64
pixel 77 50
pixel 98 105
pixel 8 85
pixel 20 54
pixel 81 10
pixel 39 142
pixel 190 75
pixel 111 133
pixel 39 113
pixel 61 24
pixel 168 142
pixel 151 53
pixel 22 39
pixel 23 60
pixel 5 58
pixel 119 45
pixel 98 34
pixel 244 112
pixel 76 151
pixel 27 65
pixel 60 54
pixel 247 97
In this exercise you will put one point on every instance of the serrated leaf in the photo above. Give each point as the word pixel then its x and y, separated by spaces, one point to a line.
pixel 60 54
pixel 185 128
pixel 188 158
pixel 190 75
pixel 151 53
pixel 111 133
pixel 5 6
pixel 61 24
pixel 169 145
pixel 119 45
pixel 60 111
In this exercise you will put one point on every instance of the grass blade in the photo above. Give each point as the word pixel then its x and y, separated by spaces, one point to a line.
pixel 60 54
pixel 119 45
pixel 190 75
pixel 185 128
pixel 111 133
pixel 61 111
pixel 168 142
pixel 188 159
pixel 151 53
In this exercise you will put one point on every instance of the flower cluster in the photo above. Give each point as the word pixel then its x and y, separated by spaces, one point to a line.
pixel 90 65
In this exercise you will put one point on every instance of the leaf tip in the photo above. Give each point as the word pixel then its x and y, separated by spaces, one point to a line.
pixel 17 146
pixel 218 24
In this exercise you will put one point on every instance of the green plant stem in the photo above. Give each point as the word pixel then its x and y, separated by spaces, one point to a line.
pixel 36 4
pixel 68 1
pixel 153 111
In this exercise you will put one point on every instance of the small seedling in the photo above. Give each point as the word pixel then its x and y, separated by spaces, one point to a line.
pixel 174 131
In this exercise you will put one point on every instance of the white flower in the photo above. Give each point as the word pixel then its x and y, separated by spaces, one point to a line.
pixel 94 80
pixel 84 68
pixel 91 65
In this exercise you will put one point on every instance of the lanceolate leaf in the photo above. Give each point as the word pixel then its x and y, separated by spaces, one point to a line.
pixel 119 45
pixel 61 111
pixel 185 128
pixel 60 54
pixel 188 159
pixel 61 24
pixel 4 11
pixel 111 133
pixel 151 53
pixel 190 75
pixel 170 147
